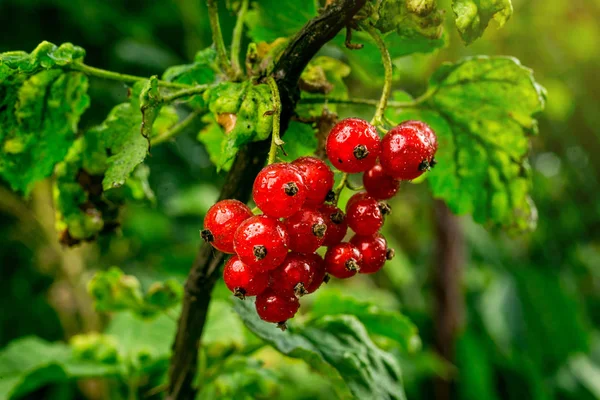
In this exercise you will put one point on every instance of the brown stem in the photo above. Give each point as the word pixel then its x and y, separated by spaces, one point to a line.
pixel 238 184
pixel 449 302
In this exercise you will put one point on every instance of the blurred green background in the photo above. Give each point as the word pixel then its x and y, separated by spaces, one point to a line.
pixel 529 329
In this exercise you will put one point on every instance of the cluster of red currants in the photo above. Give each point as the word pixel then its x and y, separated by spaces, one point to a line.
pixel 275 255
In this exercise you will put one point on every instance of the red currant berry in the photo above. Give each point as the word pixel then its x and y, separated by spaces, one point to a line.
pixel 343 260
pixel 221 222
pixel 319 274
pixel 374 251
pixel 242 280
pixel 407 151
pixel 353 145
pixel 293 276
pixel 379 185
pixel 420 125
pixel 317 177
pixel 365 214
pixel 261 242
pixel 336 224
pixel 275 307
pixel 279 190
pixel 307 229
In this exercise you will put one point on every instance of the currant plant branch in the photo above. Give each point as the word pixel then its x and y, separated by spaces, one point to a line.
pixel 115 76
pixel 238 185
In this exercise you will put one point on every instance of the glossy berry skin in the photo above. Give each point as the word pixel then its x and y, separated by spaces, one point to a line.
pixel 221 222
pixel 343 260
pixel 317 267
pixel 243 280
pixel 279 190
pixel 261 242
pixel 420 125
pixel 337 226
pixel 380 185
pixel 307 229
pixel 293 276
pixel 275 307
pixel 374 251
pixel 353 145
pixel 407 150
pixel 364 214
pixel 318 179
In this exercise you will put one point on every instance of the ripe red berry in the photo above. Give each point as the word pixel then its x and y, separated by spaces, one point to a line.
pixel 336 224
pixel 221 222
pixel 407 150
pixel 378 184
pixel 293 276
pixel 279 190
pixel 275 307
pixel 343 260
pixel 261 242
pixel 365 214
pixel 243 280
pixel 374 251
pixel 307 229
pixel 317 266
pixel 353 145
pixel 318 179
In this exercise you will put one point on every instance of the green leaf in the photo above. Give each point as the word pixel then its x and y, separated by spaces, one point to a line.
pixel 244 111
pixel 202 71
pixel 29 363
pixel 213 136
pixel 45 56
pixel 38 120
pixel 112 290
pixel 366 63
pixel 300 140
pixel 224 332
pixel 337 346
pixel 377 321
pixel 143 344
pixel 473 16
pixel 483 135
pixel 411 19
pixel 268 20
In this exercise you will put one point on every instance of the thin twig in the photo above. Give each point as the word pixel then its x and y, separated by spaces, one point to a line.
pixel 236 42
pixel 177 129
pixel 217 36
pixel 115 76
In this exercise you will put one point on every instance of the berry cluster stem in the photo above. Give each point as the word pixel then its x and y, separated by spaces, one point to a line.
pixel 236 42
pixel 275 136
pixel 387 66
pixel 217 36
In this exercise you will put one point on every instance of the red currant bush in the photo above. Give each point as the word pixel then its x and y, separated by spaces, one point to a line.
pixel 353 145
pixel 374 251
pixel 365 214
pixel 307 229
pixel 221 222
pixel 343 260
pixel 243 280
pixel 407 150
pixel 317 177
pixel 336 224
pixel 279 190
pixel 275 307
pixel 293 276
pixel 380 185
pixel 261 242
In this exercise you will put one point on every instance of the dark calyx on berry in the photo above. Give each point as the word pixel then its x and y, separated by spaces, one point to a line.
pixel 352 265
pixel 282 325
pixel 260 251
pixel 389 254
pixel 319 230
pixel 360 152
pixel 291 189
pixel 337 217
pixel 326 278
pixel 240 293
pixel 384 208
pixel 330 196
pixel 207 236
pixel 300 290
